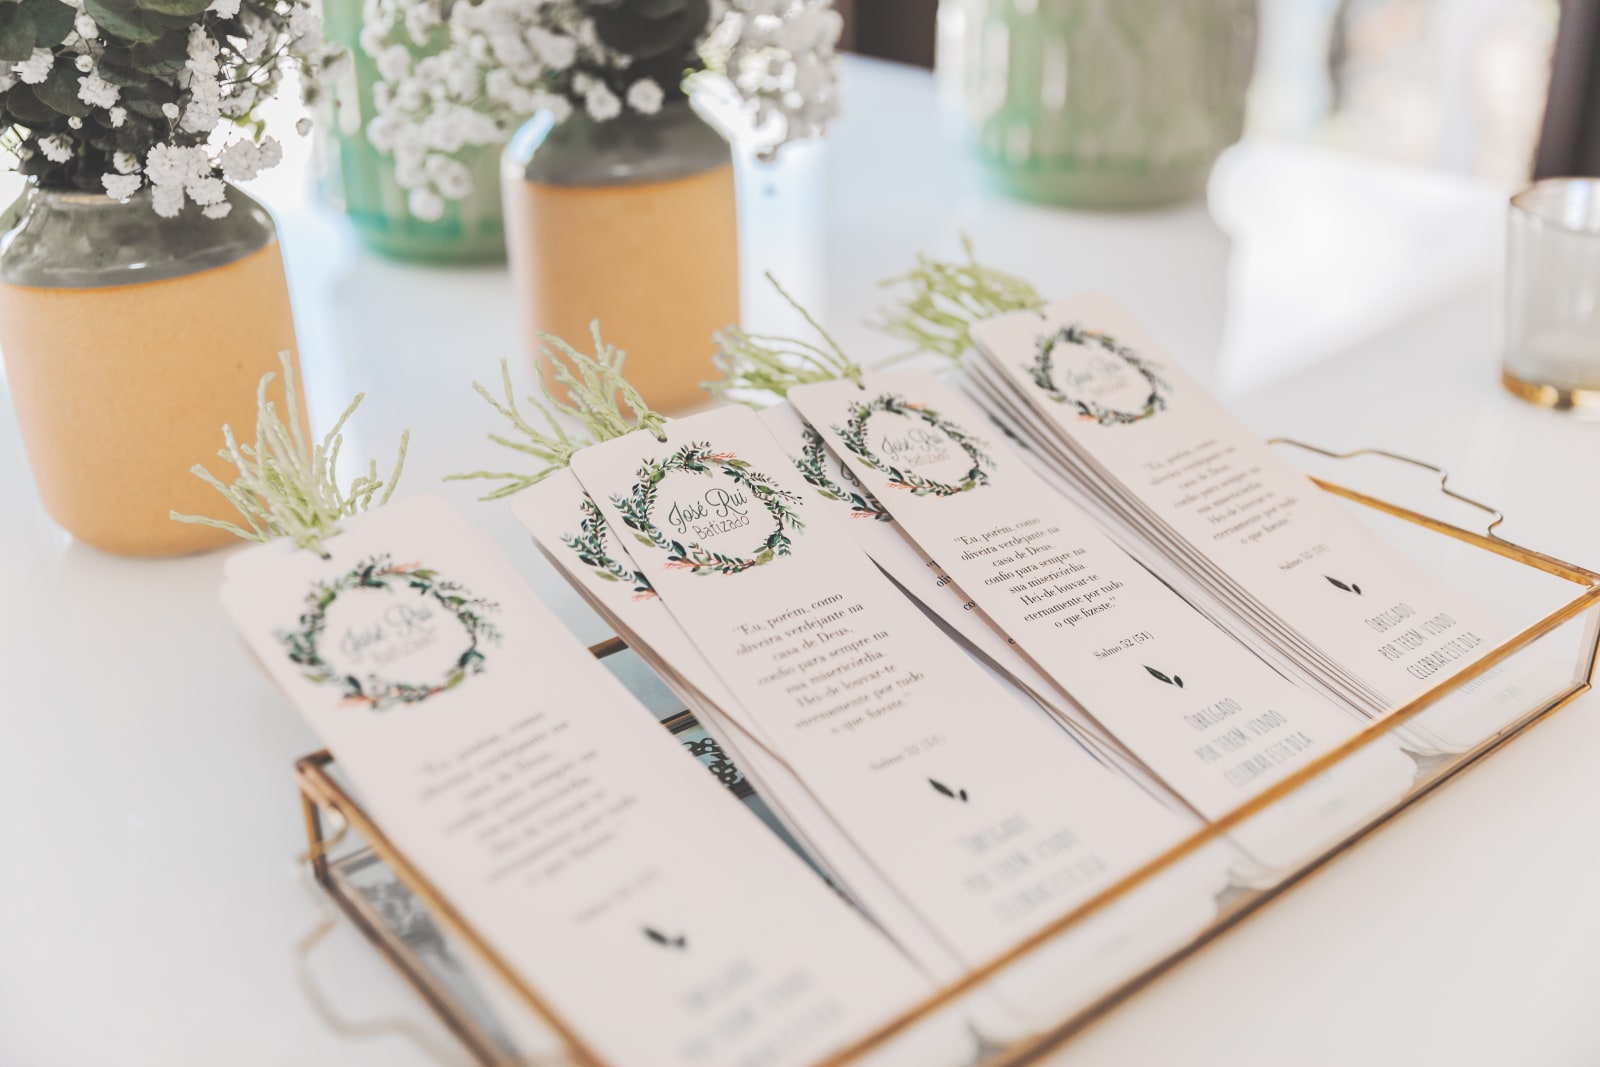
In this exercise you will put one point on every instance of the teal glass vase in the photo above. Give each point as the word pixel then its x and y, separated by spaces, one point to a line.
pixel 1098 103
pixel 360 181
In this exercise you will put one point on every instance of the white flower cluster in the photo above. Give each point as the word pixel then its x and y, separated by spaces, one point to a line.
pixel 235 57
pixel 505 60
pixel 498 68
pixel 780 56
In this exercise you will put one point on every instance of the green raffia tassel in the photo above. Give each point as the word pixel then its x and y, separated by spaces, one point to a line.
pixel 286 488
pixel 770 366
pixel 599 399
pixel 946 298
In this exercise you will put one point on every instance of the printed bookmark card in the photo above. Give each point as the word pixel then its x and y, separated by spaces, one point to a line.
pixel 1205 715
pixel 554 813
pixel 575 536
pixel 1070 972
pixel 1105 386
pixel 874 530
pixel 989 822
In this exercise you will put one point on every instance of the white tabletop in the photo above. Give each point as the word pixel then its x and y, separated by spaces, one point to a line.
pixel 149 905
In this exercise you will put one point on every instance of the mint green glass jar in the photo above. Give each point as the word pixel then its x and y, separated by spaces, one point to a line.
pixel 360 181
pixel 1098 103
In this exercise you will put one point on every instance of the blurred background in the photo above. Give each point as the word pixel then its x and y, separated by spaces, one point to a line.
pixel 1461 85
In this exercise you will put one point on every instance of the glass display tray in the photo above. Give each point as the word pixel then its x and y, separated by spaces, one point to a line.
pixel 1555 611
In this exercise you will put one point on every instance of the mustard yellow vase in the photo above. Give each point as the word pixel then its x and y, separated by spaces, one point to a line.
pixel 633 222
pixel 129 340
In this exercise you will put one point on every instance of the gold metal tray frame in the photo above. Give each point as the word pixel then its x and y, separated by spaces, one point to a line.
pixel 326 803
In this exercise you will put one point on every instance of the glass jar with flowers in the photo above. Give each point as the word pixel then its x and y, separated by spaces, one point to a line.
pixel 141 294
pixel 360 180
pixel 619 200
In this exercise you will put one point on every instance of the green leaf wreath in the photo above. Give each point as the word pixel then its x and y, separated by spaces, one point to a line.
pixel 854 435
pixel 380 572
pixel 812 463
pixel 1042 370
pixel 589 543
pixel 697 458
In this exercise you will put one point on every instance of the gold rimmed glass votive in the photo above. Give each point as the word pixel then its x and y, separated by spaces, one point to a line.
pixel 1552 349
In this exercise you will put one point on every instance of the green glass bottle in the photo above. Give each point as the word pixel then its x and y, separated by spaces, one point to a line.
pixel 360 181
pixel 1099 103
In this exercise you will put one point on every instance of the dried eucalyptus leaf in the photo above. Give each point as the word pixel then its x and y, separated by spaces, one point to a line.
pixel 187 9
pixel 163 58
pixel 60 92
pixel 125 19
pixel 52 21
pixel 18 31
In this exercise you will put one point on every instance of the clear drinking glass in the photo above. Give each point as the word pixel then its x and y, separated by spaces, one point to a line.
pixel 1552 354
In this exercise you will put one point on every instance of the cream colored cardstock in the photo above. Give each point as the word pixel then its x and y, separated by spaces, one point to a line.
pixel 629 890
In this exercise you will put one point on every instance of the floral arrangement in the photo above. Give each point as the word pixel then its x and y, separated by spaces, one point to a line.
pixel 118 95
pixel 492 64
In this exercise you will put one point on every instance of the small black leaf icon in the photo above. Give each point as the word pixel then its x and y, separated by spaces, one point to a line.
pixel 1158 676
pixel 953 794
pixel 663 940
pixel 1351 588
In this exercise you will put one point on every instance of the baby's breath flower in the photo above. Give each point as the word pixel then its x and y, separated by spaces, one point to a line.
pixel 601 103
pixel 79 133
pixel 121 186
pixel 645 96
pixel 393 63
pixel 240 161
pixel 425 204
pixel 36 68
pixel 167 200
pixel 782 62
pixel 504 60
pixel 56 148
pixel 97 92
pixel 206 190
pixel 305 25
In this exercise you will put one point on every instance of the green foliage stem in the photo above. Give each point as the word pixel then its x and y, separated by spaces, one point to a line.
pixel 286 488
pixel 599 399
pixel 767 367
pixel 944 299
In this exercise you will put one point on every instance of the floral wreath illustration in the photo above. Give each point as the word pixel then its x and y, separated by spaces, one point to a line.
pixel 589 544
pixel 1042 370
pixel 854 436
pixel 381 572
pixel 812 463
pixel 697 458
